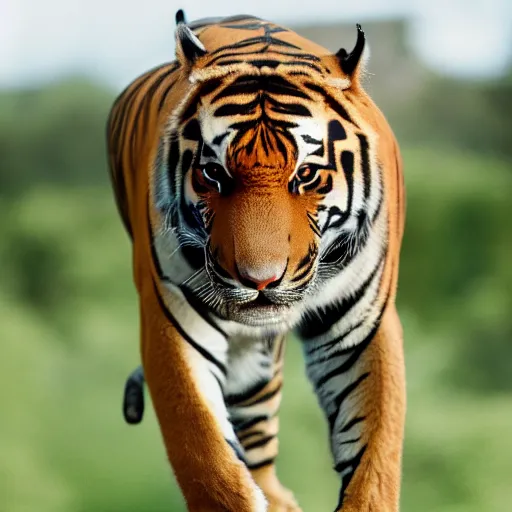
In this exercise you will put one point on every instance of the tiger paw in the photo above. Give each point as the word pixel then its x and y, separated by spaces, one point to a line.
pixel 279 498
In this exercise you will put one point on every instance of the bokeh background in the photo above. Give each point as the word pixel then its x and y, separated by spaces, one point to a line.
pixel 441 71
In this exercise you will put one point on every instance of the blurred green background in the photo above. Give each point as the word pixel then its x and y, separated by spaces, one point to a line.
pixel 69 316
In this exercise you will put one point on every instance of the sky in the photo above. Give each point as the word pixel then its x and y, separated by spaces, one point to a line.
pixel 116 40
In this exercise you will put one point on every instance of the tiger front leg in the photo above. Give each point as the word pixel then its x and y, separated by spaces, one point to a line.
pixel 200 442
pixel 253 395
pixel 361 389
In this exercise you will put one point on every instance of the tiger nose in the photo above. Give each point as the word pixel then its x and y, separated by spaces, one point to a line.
pixel 259 280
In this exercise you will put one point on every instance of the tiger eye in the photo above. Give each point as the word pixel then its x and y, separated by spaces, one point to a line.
pixel 214 172
pixel 215 176
pixel 305 173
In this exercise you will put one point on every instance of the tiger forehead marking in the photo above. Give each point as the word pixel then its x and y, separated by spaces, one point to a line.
pixel 261 121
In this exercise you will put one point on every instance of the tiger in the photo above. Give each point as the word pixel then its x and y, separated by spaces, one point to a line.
pixel 263 193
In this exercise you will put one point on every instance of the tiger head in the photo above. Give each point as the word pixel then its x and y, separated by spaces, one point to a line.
pixel 271 169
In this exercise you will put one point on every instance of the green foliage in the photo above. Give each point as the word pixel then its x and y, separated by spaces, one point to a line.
pixel 68 312
pixel 53 135
pixel 473 116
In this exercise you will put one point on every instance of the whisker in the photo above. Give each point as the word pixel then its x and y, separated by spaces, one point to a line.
pixel 195 274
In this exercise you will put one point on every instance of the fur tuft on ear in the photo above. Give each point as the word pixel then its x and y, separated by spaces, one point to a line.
pixel 188 46
pixel 349 62
pixel 180 17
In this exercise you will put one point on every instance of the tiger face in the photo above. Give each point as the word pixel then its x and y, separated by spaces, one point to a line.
pixel 272 175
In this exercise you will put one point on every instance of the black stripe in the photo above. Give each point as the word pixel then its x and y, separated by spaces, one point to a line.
pixel 168 89
pixel 267 396
pixel 320 322
pixel 331 102
pixel 312 185
pixel 249 85
pixel 192 130
pixel 148 100
pixel 195 25
pixel 279 85
pixel 318 152
pixel 119 187
pixel 350 462
pixel 229 55
pixel 329 344
pixel 237 449
pixel 340 397
pixel 306 260
pixel 201 310
pixel 207 151
pixel 350 441
pixel 260 63
pixel 292 109
pixel 326 187
pixel 351 423
pixel 122 106
pixel 307 270
pixel 313 223
pixel 259 443
pixel 261 464
pixel 134 119
pixel 311 140
pixel 219 138
pixel 298 55
pixel 365 165
pixel 254 41
pixel 245 424
pixel 354 462
pixel 341 254
pixel 207 88
pixel 299 62
pixel 234 109
pixel 233 399
pixel 209 357
pixel 255 433
pixel 350 361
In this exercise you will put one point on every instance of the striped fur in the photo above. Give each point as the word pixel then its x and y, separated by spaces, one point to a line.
pixel 263 193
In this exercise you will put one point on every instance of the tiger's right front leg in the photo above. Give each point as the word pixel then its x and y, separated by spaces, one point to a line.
pixel 199 440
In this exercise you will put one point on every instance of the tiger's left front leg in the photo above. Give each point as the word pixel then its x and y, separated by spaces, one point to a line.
pixel 361 388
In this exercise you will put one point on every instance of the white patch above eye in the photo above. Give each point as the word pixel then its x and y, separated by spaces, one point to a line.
pixel 212 127
pixel 309 130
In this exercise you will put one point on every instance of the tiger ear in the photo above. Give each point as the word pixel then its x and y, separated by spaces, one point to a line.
pixel 188 46
pixel 352 63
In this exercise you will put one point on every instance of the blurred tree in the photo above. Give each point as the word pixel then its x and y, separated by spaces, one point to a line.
pixel 54 134
pixel 455 113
